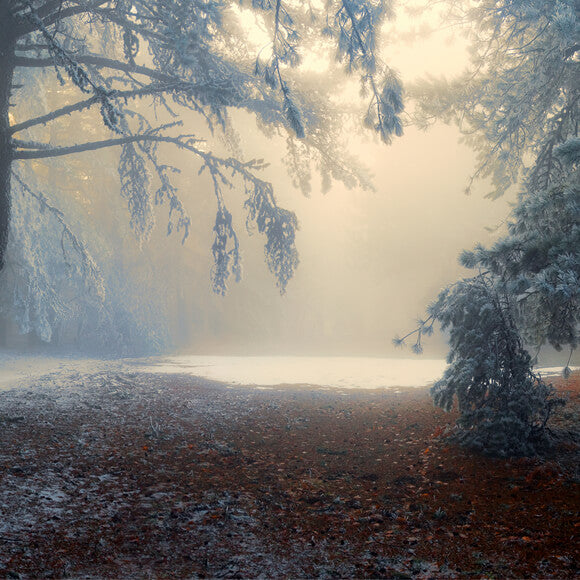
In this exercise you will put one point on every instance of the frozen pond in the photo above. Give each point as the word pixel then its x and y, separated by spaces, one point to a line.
pixel 338 372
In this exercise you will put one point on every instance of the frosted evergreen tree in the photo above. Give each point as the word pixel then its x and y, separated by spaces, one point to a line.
pixel 518 108
pixel 183 59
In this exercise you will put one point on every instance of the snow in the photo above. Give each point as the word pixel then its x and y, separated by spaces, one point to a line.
pixel 257 371
pixel 19 368
pixel 334 372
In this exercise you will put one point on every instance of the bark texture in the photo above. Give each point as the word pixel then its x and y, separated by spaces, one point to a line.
pixel 7 63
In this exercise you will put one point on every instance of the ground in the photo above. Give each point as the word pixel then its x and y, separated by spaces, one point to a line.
pixel 135 475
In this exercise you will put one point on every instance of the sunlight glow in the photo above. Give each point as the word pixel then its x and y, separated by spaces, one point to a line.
pixel 254 26
pixel 424 42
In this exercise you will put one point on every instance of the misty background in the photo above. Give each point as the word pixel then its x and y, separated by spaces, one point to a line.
pixel 370 260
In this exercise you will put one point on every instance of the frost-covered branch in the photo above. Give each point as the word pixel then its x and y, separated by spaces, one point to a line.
pixel 424 328
pixel 126 24
pixel 52 12
pixel 520 98
pixel 29 144
pixel 99 61
pixel 47 152
pixel 190 57
pixel 88 103
pixel 93 275
pixel 357 31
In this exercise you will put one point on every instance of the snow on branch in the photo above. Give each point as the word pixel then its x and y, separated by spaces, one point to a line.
pixel 152 89
pixel 279 225
pixel 77 74
pixel 284 51
pixel 92 274
pixel 51 12
pixel 46 151
pixel 355 27
pixel 101 62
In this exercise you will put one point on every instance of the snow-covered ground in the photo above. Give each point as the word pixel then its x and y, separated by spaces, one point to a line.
pixel 17 369
pixel 335 372
pixel 332 372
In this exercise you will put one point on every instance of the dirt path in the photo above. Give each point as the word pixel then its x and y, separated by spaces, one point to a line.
pixel 144 476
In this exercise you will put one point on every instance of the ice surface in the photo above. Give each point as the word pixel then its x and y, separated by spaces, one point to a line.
pixel 336 372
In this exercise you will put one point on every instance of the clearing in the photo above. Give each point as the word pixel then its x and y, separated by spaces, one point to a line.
pixel 140 475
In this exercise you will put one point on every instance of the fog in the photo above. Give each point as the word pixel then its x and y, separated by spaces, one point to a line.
pixel 370 260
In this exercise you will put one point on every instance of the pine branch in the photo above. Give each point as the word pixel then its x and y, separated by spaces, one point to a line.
pixel 87 103
pixel 49 15
pixel 50 152
pixel 91 268
pixel 49 7
pixel 124 23
pixel 32 46
pixel 72 11
pixel 29 144
pixel 98 61
pixel 352 18
pixel 44 119
pixel 215 164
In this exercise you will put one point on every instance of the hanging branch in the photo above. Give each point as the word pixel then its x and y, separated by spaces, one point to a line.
pixel 92 272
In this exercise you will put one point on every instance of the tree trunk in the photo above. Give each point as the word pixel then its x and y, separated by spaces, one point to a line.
pixel 7 46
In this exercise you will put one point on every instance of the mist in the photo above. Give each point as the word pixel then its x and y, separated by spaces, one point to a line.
pixel 252 325
pixel 370 261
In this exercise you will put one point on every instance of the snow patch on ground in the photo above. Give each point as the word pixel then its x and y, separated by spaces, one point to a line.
pixel 333 372
pixel 19 370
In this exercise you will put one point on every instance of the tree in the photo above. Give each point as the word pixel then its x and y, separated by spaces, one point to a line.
pixel 189 59
pixel 518 108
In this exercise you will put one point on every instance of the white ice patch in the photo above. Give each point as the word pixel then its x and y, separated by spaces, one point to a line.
pixel 334 372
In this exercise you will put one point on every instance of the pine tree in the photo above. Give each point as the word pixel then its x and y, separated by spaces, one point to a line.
pixel 519 102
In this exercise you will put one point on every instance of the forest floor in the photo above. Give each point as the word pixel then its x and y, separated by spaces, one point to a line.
pixel 129 475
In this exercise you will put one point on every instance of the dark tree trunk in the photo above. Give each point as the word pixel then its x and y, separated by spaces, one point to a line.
pixel 7 45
